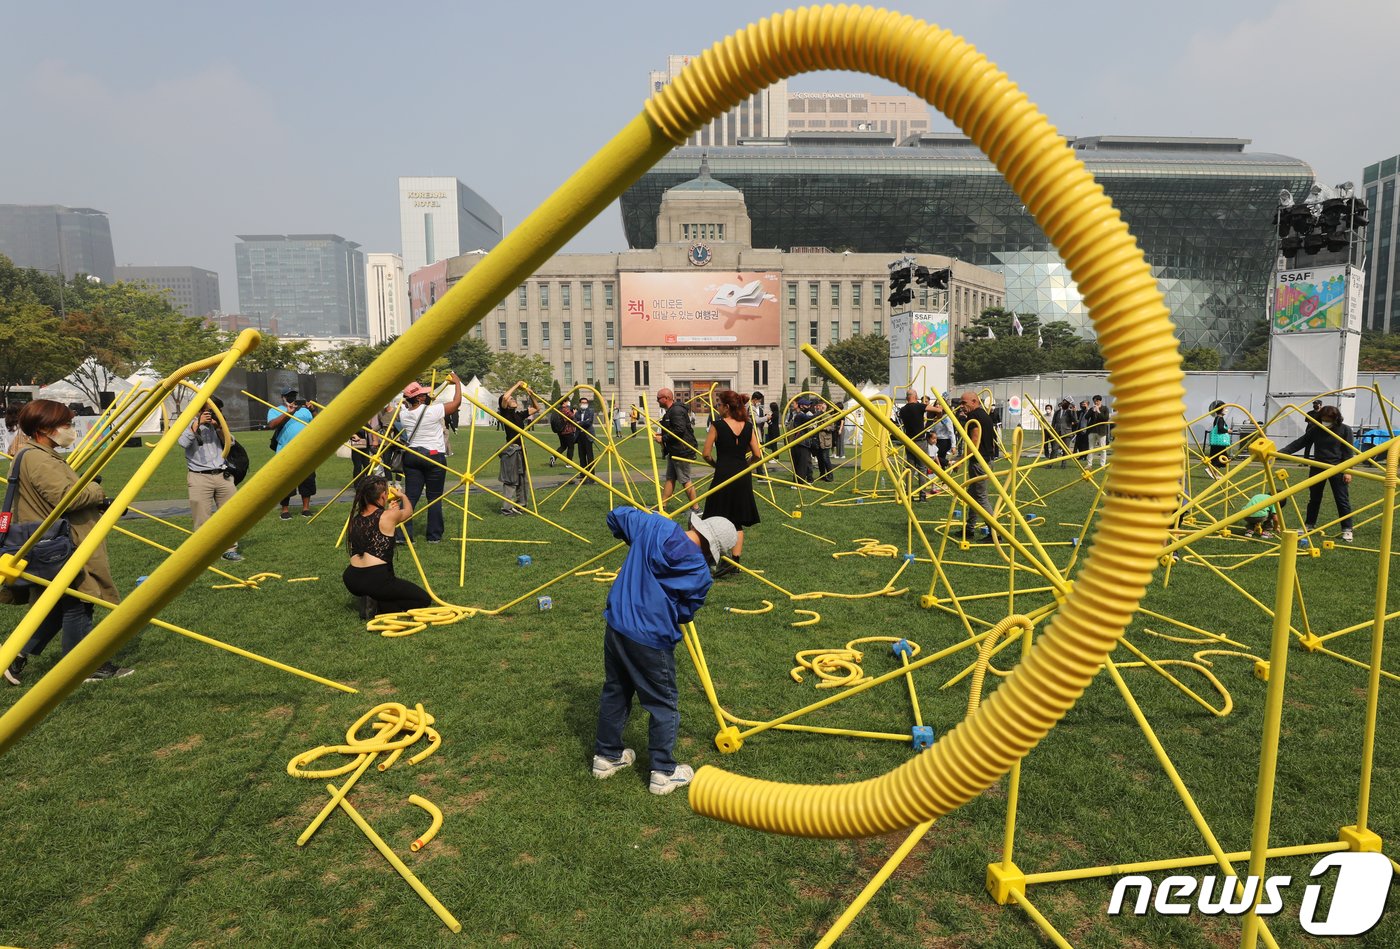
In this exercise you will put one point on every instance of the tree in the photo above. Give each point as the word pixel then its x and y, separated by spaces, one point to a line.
pixel 109 350
pixel 826 391
pixel 509 368
pixel 34 348
pixel 470 357
pixel 1380 352
pixel 864 357
pixel 1254 352
pixel 981 354
pixel 273 354
pixel 554 393
pixel 1201 359
pixel 351 359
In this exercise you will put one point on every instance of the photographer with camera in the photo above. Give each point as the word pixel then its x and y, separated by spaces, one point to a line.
pixel 44 478
pixel 287 421
pixel 209 478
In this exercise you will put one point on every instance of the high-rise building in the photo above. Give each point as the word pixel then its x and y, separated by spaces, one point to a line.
pixel 1380 308
pixel 900 116
pixel 1201 208
pixel 762 115
pixel 441 218
pixel 386 296
pixel 55 239
pixel 193 291
pixel 313 284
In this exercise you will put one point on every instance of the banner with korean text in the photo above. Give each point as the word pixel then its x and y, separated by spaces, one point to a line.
pixel 699 309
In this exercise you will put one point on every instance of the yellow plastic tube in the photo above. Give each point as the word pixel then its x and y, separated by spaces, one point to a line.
pixel 436 825
pixel 1140 351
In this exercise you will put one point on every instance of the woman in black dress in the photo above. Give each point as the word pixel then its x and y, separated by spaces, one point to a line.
pixel 730 442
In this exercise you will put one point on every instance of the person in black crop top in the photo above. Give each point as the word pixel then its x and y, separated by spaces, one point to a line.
pixel 375 515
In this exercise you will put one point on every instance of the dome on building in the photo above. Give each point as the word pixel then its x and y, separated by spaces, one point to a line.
pixel 704 185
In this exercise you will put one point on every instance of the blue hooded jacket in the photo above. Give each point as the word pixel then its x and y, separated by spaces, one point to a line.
pixel 661 584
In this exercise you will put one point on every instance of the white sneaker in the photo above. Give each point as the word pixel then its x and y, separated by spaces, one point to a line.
pixel 662 783
pixel 1346 537
pixel 604 768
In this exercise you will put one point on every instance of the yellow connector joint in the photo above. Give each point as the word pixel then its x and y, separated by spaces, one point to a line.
pixel 1310 642
pixel 1004 881
pixel 10 569
pixel 1261 670
pixel 1262 448
pixel 728 740
pixel 1360 841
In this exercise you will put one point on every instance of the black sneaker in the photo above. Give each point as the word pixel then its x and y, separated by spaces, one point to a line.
pixel 368 608
pixel 108 671
pixel 12 674
pixel 286 515
pixel 306 512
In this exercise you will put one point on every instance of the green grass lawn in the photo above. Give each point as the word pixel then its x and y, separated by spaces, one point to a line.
pixel 156 810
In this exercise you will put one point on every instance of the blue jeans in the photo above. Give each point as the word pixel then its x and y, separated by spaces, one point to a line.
pixel 417 474
pixel 70 614
pixel 629 668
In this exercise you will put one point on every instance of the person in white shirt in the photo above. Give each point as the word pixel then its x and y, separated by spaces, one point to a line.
pixel 423 429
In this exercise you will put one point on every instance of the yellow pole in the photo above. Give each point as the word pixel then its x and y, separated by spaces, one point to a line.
pixel 873 887
pixel 1013 790
pixel 466 499
pixel 442 911
pixel 1273 714
pixel 1373 684
pixel 1176 863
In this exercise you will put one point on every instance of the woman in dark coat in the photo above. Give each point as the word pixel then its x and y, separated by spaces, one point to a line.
pixel 1331 442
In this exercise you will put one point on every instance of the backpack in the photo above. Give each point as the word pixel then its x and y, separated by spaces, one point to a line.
pixel 237 462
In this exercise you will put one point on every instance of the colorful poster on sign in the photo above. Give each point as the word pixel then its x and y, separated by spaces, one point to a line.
pixel 699 309
pixel 1310 300
pixel 929 335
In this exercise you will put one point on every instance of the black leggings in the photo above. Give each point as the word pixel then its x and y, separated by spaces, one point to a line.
pixel 391 593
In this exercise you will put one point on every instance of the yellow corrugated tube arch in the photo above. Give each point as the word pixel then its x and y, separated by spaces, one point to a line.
pixel 1134 331
pixel 1140 351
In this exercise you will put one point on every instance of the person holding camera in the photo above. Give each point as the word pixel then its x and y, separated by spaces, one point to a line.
pixel 287 420
pixel 208 477
pixel 425 437
pixel 44 478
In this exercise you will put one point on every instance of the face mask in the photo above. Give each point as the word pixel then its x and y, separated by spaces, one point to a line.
pixel 64 437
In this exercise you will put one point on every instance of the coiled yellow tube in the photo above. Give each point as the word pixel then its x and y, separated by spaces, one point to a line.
pixel 984 656
pixel 1140 352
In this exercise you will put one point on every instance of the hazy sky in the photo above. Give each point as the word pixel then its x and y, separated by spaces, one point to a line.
pixel 189 123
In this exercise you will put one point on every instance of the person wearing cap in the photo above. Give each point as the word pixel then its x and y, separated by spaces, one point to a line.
pixel 659 587
pixel 423 424
pixel 208 476
pixel 287 420
pixel 805 448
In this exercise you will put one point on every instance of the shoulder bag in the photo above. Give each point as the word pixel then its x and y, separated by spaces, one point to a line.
pixel 47 556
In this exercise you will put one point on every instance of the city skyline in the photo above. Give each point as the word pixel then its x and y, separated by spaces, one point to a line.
pixel 334 132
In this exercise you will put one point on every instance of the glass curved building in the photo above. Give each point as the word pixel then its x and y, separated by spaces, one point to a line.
pixel 1202 209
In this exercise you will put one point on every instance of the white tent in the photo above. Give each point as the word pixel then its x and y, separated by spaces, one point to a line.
pixel 476 390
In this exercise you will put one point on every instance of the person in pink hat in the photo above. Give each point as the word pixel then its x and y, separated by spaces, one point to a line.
pixel 423 428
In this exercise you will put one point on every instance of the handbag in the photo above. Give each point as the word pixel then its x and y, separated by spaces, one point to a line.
pixel 392 457
pixel 1218 439
pixel 51 552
